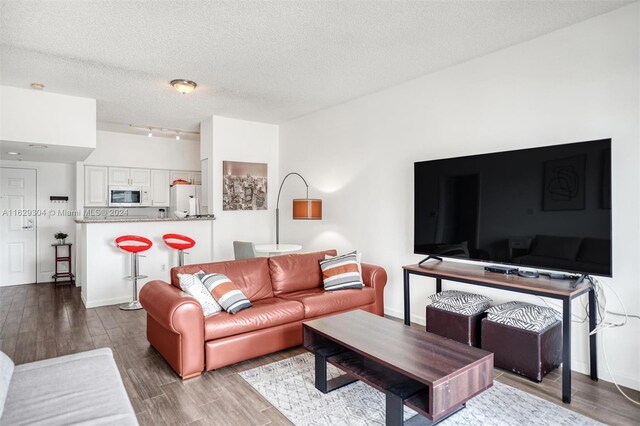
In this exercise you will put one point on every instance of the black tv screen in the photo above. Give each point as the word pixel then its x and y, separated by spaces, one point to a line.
pixel 546 208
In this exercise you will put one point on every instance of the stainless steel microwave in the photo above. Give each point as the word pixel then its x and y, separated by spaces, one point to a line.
pixel 128 196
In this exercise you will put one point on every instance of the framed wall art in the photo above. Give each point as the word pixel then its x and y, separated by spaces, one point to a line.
pixel 244 186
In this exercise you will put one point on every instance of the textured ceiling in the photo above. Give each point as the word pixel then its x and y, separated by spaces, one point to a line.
pixel 257 60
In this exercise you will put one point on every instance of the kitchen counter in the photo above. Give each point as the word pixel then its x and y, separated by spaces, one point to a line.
pixel 101 267
pixel 121 219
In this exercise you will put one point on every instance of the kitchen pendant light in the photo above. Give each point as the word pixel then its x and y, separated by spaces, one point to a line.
pixel 184 86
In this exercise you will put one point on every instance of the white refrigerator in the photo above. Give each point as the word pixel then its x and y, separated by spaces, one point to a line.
pixel 181 196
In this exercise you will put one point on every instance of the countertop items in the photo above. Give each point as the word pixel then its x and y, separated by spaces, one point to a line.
pixel 118 219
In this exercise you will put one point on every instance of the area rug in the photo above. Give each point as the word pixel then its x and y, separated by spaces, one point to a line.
pixel 289 386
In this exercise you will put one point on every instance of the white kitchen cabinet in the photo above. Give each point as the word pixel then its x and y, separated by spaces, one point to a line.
pixel 156 182
pixel 95 186
pixel 119 176
pixel 191 177
pixel 179 174
pixel 160 182
pixel 196 178
pixel 126 176
pixel 140 177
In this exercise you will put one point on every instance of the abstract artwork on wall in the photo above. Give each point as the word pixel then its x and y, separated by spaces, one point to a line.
pixel 564 184
pixel 244 186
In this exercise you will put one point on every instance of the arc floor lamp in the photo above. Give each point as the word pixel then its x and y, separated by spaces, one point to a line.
pixel 303 208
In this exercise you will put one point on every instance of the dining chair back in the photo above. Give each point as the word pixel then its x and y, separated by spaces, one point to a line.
pixel 244 250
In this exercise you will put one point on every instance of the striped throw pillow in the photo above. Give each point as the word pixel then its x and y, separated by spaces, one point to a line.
pixel 341 272
pixel 225 292
pixel 358 259
pixel 192 285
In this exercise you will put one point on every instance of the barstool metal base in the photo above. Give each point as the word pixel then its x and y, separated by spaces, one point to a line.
pixel 131 306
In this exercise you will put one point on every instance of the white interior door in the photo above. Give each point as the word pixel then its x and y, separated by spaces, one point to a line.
pixel 17 226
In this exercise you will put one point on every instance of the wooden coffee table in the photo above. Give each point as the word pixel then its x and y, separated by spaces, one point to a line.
pixel 433 375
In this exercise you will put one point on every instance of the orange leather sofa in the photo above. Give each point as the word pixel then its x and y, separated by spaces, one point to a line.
pixel 284 290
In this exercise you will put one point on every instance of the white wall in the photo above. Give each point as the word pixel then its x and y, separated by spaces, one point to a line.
pixel 248 141
pixel 576 84
pixel 206 163
pixel 128 150
pixel 33 116
pixel 51 179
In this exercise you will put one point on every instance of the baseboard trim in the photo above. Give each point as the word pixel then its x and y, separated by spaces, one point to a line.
pixel 396 313
pixel 104 302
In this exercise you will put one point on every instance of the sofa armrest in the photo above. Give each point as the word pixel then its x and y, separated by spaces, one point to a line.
pixel 175 327
pixel 376 277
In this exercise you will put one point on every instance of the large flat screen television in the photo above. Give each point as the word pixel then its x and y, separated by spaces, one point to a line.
pixel 544 208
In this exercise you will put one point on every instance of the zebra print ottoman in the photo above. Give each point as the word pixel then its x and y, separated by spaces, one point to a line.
pixel 532 354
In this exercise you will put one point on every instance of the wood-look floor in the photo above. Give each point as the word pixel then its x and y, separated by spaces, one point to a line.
pixel 39 321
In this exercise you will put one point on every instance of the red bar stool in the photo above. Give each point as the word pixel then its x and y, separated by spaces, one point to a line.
pixel 134 245
pixel 180 243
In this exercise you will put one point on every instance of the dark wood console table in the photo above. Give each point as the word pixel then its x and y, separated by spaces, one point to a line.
pixel 545 287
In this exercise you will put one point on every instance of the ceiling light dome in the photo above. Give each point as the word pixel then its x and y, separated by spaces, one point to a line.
pixel 184 86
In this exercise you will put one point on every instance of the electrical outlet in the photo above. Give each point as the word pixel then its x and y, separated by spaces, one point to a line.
pixel 163 267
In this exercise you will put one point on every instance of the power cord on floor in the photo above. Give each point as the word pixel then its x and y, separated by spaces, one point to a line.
pixel 601 322
pixel 603 325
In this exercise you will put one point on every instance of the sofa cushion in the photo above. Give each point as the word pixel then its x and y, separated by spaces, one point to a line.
pixel 296 272
pixel 263 314
pixel 250 275
pixel 556 247
pixel 318 302
pixel 6 371
pixel 83 388
pixel 225 292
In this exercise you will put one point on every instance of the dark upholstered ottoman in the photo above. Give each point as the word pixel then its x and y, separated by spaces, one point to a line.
pixel 528 353
pixel 456 314
pixel 460 327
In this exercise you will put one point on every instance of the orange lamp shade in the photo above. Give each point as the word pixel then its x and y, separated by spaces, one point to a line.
pixel 309 209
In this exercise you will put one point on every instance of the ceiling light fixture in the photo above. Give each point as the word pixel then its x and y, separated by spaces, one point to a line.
pixel 37 86
pixel 164 131
pixel 184 86
pixel 38 146
pixel 13 153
